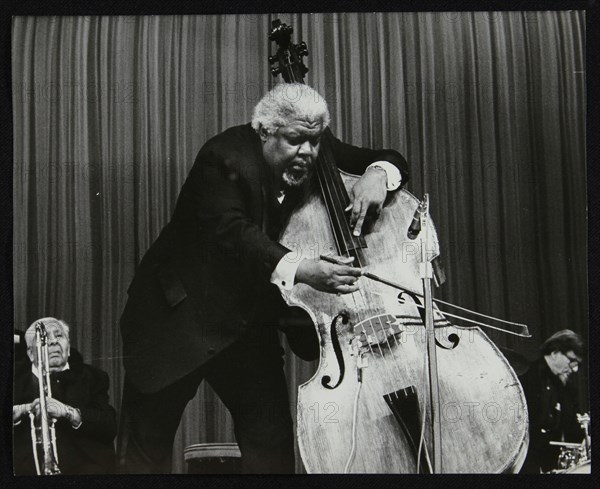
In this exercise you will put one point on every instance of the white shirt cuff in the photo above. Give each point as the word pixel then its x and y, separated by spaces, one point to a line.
pixel 394 178
pixel 285 272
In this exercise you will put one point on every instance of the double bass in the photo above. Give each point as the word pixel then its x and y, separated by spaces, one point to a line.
pixel 372 405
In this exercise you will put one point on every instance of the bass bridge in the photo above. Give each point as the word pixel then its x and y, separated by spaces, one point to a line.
pixel 376 335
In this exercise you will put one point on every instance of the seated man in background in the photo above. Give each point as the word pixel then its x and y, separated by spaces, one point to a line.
pixel 86 423
pixel 552 400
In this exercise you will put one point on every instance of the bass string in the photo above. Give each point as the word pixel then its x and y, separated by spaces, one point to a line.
pixel 371 325
pixel 338 195
pixel 380 326
pixel 344 225
pixel 327 191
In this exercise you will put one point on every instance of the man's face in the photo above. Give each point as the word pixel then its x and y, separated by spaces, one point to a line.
pixel 58 347
pixel 292 150
pixel 564 364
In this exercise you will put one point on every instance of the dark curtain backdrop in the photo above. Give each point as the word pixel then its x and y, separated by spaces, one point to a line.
pixel 488 109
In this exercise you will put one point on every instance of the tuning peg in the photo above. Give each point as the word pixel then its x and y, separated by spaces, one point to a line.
pixel 275 71
pixel 302 49
pixel 272 59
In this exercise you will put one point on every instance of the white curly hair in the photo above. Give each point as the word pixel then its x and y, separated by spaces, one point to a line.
pixel 288 102
pixel 30 333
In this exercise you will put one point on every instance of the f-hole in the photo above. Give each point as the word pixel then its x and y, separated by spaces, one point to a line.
pixel 335 341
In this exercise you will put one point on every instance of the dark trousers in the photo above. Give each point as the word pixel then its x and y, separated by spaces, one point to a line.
pixel 248 377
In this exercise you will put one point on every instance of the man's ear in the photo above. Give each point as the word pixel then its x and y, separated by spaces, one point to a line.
pixel 263 133
pixel 31 355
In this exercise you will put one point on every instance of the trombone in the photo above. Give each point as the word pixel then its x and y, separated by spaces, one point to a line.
pixel 43 432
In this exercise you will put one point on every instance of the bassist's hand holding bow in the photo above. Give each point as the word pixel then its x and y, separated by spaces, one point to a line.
pixel 329 277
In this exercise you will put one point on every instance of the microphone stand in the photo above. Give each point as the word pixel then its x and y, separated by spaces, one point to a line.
pixel 426 272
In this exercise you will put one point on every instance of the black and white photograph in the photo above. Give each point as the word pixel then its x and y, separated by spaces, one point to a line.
pixel 299 243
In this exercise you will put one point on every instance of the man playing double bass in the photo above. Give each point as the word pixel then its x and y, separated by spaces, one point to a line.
pixel 204 302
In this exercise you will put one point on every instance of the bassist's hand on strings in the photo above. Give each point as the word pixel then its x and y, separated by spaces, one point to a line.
pixel 367 195
pixel 329 277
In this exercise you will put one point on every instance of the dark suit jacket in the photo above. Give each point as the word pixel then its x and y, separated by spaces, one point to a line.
pixel 86 450
pixel 552 409
pixel 198 287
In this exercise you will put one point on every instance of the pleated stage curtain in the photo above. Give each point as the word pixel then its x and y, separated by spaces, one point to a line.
pixel 487 107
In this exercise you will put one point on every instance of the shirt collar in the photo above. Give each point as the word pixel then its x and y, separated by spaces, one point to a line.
pixel 281 196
